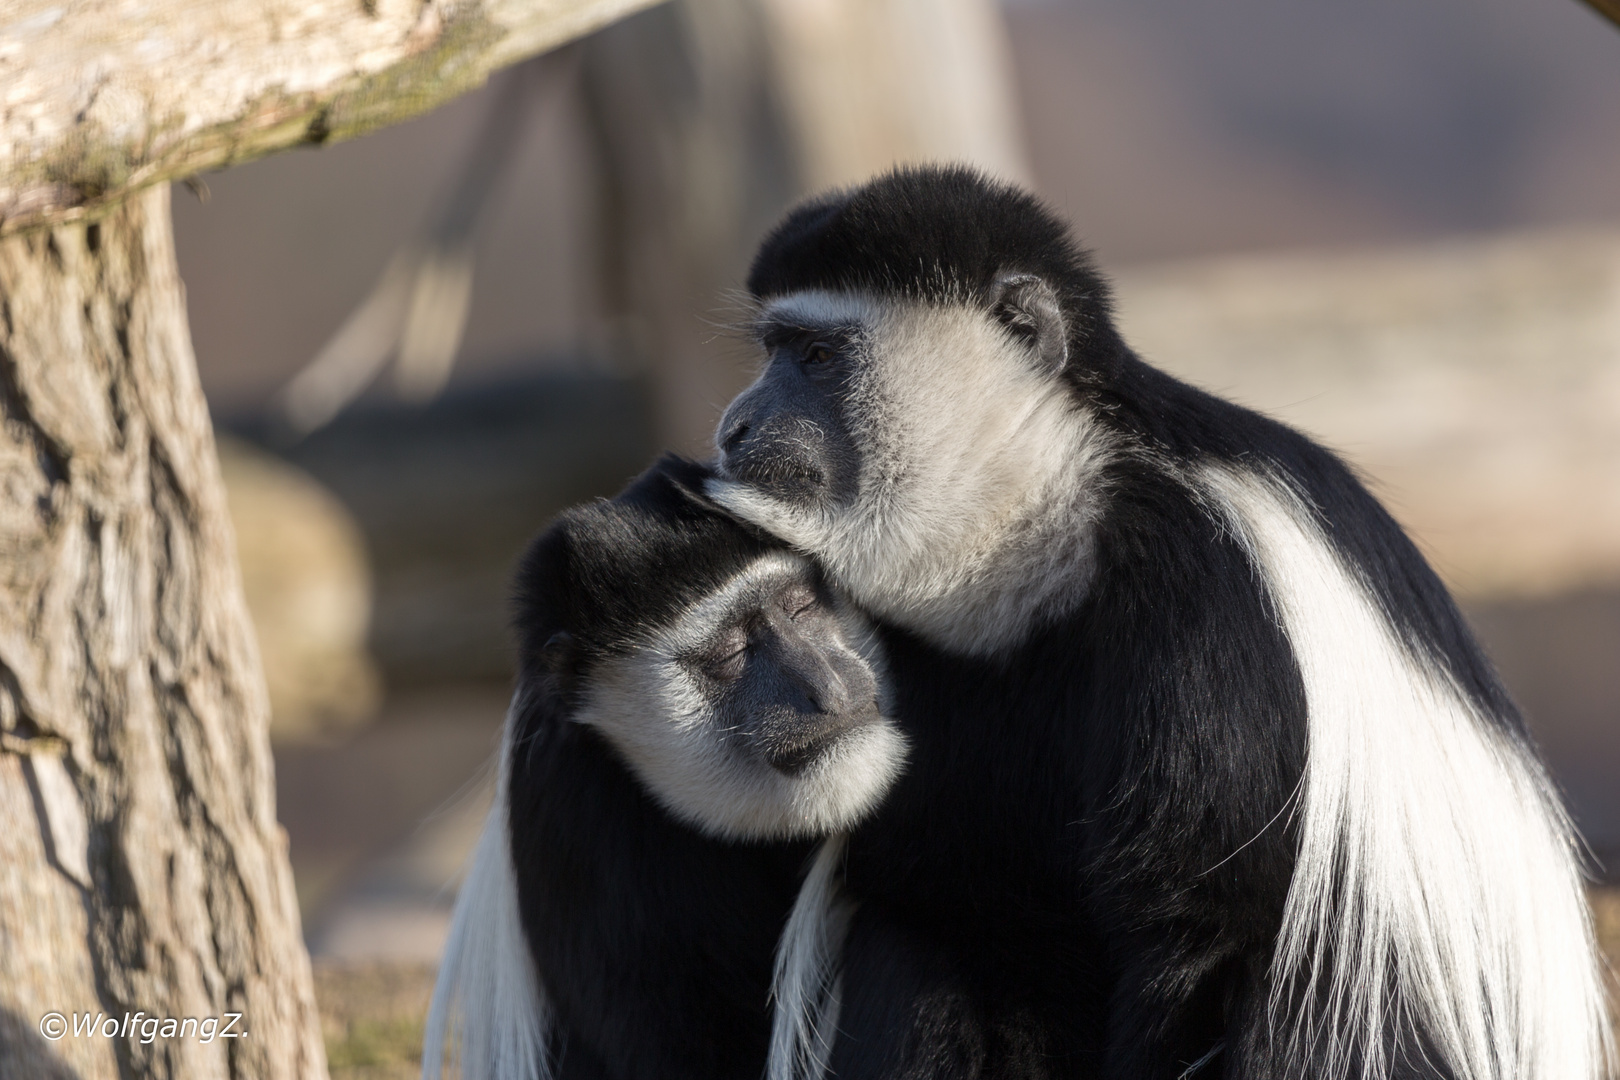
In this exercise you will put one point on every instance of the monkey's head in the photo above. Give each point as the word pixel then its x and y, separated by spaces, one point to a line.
pixel 929 340
pixel 745 695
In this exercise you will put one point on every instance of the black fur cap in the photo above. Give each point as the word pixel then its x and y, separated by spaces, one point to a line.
pixel 611 572
pixel 937 234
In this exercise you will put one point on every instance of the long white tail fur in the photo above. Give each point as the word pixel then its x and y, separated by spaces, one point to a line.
pixel 1437 888
pixel 807 986
pixel 489 1011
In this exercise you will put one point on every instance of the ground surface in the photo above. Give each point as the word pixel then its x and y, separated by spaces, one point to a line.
pixel 372 1013
pixel 1606 906
pixel 372 1016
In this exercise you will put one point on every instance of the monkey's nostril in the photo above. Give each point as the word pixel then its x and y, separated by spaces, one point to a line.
pixel 734 438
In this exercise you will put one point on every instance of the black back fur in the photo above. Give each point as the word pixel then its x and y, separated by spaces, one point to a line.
pixel 1083 871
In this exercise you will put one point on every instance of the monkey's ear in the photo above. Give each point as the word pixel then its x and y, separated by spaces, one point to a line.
pixel 1026 305
pixel 557 657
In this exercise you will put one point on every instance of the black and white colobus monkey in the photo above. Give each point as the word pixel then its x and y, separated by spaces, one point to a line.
pixel 1207 775
pixel 693 704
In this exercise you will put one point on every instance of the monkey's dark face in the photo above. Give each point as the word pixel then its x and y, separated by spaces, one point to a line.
pixel 759 713
pixel 789 433
pixel 786 684
pixel 906 444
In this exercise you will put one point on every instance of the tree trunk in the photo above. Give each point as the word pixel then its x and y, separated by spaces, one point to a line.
pixel 141 866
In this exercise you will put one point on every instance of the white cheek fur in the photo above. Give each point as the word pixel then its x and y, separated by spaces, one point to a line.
pixel 659 723
pixel 977 504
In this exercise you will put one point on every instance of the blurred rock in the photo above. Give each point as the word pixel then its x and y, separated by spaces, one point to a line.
pixel 1476 382
pixel 448 494
pixel 309 591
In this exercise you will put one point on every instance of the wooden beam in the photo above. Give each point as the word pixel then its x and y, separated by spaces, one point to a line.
pixel 100 98
pixel 1609 9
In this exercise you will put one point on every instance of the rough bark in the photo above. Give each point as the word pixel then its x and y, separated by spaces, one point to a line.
pixel 141 866
pixel 101 97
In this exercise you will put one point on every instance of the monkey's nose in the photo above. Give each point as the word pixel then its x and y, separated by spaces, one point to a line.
pixel 734 437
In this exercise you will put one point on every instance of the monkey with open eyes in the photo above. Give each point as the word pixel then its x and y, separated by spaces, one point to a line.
pixel 1207 775
pixel 694 708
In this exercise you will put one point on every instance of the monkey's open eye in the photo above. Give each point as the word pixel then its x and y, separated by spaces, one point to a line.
pixel 819 352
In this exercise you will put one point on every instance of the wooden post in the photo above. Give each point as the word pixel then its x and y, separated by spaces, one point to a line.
pixel 143 877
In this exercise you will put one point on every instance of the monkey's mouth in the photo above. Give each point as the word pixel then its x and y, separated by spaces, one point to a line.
pixel 782 476
pixel 793 748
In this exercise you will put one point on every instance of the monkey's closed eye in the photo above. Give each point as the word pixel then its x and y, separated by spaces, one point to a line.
pixel 728 656
pixel 798 600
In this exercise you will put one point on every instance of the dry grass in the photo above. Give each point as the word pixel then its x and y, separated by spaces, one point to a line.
pixel 1606 914
pixel 372 1017
pixel 372 1014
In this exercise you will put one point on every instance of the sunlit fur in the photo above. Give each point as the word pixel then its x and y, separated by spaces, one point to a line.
pixel 652 707
pixel 977 492
pixel 806 986
pixel 489 1012
pixel 1255 801
pixel 1436 887
pixel 1436 904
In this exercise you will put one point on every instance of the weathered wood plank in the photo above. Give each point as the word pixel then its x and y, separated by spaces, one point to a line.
pixel 101 97
pixel 1609 9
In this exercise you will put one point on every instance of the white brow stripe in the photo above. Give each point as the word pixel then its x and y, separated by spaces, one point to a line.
pixel 816 308
pixel 693 626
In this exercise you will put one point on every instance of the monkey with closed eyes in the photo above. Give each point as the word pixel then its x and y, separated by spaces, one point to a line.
pixel 694 710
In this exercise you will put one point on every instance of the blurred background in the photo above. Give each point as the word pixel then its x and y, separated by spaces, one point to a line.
pixel 1395 224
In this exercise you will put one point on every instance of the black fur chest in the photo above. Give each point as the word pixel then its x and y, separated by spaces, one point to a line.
pixel 1070 809
pixel 977 848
